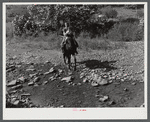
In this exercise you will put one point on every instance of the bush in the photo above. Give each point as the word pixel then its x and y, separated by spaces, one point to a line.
pixel 86 43
pixel 140 13
pixel 109 12
pixel 126 32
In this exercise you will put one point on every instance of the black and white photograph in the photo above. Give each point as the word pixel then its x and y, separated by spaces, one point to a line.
pixel 75 58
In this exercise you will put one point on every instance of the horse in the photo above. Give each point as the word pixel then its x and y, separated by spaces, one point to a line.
pixel 69 50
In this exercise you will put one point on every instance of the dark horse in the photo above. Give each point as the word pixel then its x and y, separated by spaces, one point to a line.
pixel 69 49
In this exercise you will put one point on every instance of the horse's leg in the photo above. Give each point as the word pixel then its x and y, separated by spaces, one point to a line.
pixel 74 62
pixel 64 57
pixel 69 61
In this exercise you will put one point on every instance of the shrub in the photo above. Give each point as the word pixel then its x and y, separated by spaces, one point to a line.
pixel 126 32
pixel 109 12
pixel 86 43
pixel 140 13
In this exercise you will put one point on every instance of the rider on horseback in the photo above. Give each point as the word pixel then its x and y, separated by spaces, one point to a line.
pixel 67 32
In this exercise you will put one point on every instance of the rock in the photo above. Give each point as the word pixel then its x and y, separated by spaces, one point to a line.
pixel 141 81
pixel 17 102
pixel 13 99
pixel 13 92
pixel 12 83
pixel 30 70
pixel 79 84
pixel 103 82
pixel 14 57
pixel 70 73
pixel 62 106
pixel 85 80
pixel 105 76
pixel 111 103
pixel 110 81
pixel 82 75
pixel 27 94
pixel 122 80
pixel 31 67
pixel 31 83
pixel 52 78
pixel 32 75
pixel 36 85
pixel 22 79
pixel 51 70
pixel 133 83
pixel 96 95
pixel 46 73
pixel 60 71
pixel 125 89
pixel 45 82
pixel 18 66
pixel 16 87
pixel 47 62
pixel 94 84
pixel 104 99
pixel 67 79
pixel 36 79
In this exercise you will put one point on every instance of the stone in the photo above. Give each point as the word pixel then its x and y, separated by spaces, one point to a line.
pixel 94 84
pixel 31 83
pixel 125 89
pixel 104 99
pixel 12 83
pixel 82 75
pixel 27 94
pixel 47 61
pixel 110 81
pixel 111 103
pixel 13 92
pixel 30 70
pixel 67 79
pixel 16 87
pixel 46 73
pixel 96 95
pixel 31 67
pixel 45 82
pixel 62 106
pixel 36 85
pixel 133 83
pixel 141 81
pixel 16 102
pixel 36 79
pixel 60 71
pixel 18 66
pixel 103 82
pixel 22 79
pixel 51 70
pixel 32 75
pixel 52 78
pixel 85 80
pixel 79 84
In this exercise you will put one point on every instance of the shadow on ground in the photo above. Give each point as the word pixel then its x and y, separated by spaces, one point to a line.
pixel 93 64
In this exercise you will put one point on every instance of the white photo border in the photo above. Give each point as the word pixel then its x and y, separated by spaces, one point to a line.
pixel 68 113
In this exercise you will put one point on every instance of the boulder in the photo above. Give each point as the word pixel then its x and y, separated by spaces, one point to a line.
pixel 36 79
pixel 67 79
pixel 12 83
pixel 104 99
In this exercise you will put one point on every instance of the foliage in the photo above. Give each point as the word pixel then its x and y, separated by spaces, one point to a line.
pixel 126 32
pixel 109 12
